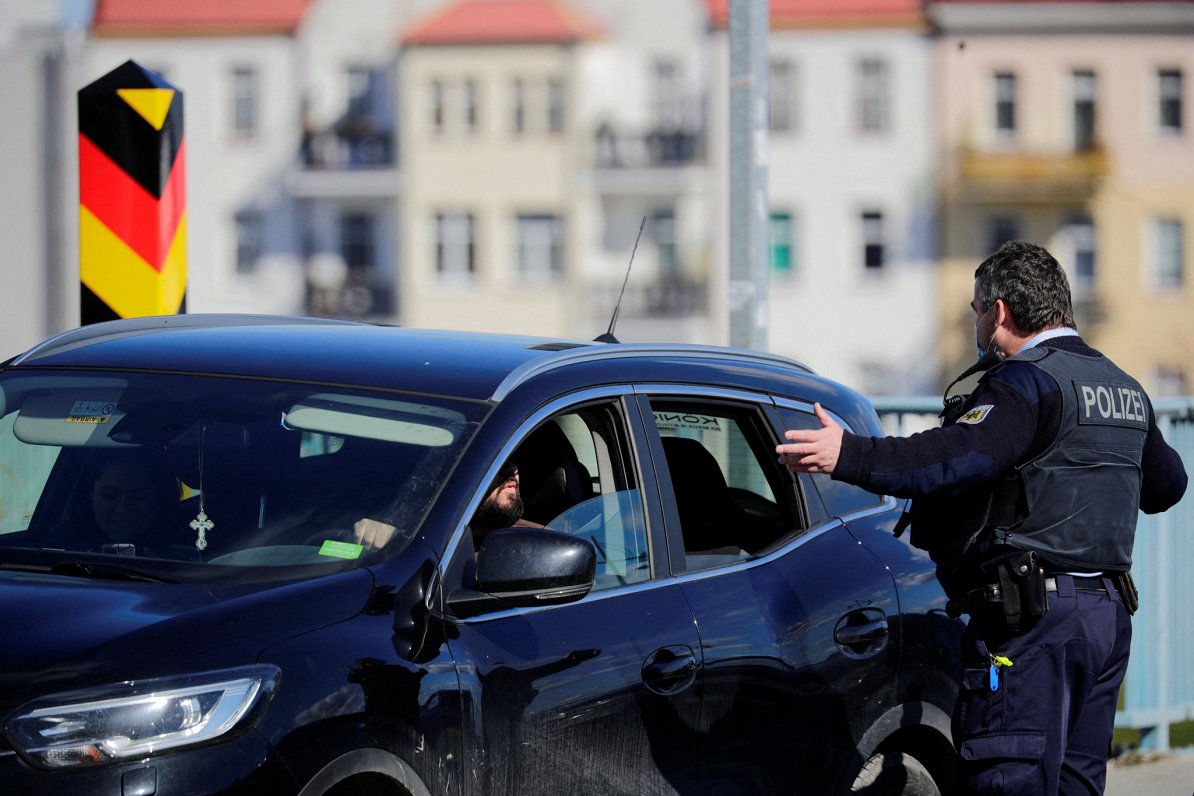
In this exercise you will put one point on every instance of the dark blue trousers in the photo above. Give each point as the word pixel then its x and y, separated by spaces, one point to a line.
pixel 1046 728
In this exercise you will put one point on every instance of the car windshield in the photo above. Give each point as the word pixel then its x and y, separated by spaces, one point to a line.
pixel 193 477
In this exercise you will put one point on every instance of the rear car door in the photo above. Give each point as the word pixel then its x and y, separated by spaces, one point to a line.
pixel 798 623
pixel 591 696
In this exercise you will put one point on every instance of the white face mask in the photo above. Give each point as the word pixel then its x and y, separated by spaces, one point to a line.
pixel 978 346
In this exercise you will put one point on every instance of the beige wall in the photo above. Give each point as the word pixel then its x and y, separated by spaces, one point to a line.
pixel 1147 175
pixel 492 173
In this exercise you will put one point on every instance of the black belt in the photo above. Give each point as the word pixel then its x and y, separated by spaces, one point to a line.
pixel 1081 582
pixel 991 594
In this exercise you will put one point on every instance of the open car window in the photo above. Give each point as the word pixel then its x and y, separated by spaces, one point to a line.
pixel 732 498
pixel 577 477
pixel 225 476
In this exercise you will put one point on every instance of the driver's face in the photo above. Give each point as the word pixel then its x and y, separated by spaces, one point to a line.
pixel 505 493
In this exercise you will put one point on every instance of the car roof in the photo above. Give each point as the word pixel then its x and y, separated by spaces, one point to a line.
pixel 472 365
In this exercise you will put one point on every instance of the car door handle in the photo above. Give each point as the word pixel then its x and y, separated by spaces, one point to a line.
pixel 670 669
pixel 862 633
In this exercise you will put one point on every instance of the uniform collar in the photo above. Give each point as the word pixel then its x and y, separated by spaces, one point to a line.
pixel 1037 339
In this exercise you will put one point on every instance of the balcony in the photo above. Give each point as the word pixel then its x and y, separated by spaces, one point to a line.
pixel 353 143
pixel 353 158
pixel 1027 177
pixel 359 296
pixel 657 148
pixel 672 297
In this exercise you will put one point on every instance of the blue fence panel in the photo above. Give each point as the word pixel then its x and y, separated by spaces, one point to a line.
pixel 1159 687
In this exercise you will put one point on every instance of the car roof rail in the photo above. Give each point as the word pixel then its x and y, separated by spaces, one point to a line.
pixel 599 353
pixel 128 326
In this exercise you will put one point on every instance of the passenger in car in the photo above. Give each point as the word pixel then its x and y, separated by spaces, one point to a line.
pixel 501 508
pixel 128 509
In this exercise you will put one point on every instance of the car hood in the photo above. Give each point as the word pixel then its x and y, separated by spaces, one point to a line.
pixel 61 633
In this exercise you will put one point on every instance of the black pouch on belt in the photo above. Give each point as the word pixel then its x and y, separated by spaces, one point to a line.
pixel 1127 591
pixel 1022 582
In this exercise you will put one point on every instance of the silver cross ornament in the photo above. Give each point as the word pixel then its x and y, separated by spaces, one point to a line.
pixel 202 524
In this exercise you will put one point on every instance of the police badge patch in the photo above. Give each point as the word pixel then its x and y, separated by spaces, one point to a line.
pixel 977 414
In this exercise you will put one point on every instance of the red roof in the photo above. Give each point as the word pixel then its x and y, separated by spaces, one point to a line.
pixel 831 13
pixel 503 22
pixel 196 17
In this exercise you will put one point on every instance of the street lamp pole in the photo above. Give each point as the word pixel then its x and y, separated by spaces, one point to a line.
pixel 749 206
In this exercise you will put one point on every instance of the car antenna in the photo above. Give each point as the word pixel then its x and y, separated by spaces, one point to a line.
pixel 608 337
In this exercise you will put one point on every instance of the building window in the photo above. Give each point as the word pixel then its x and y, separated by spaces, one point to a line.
pixel 667 97
pixel 783 99
pixel 435 91
pixel 1169 89
pixel 1001 229
pixel 1168 382
pixel 1081 233
pixel 471 113
pixel 357 240
pixel 518 101
pixel 663 233
pixel 782 244
pixel 540 247
pixel 455 248
pixel 556 105
pixel 362 90
pixel 1168 253
pixel 1005 104
pixel 873 249
pixel 873 95
pixel 1085 89
pixel 250 240
pixel 244 102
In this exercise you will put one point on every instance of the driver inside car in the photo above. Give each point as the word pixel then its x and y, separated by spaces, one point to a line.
pixel 501 508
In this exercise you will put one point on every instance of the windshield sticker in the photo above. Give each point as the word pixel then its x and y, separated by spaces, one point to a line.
pixel 95 412
pixel 686 420
pixel 341 549
pixel 977 414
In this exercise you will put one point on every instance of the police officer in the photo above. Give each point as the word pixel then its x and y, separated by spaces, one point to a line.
pixel 1027 499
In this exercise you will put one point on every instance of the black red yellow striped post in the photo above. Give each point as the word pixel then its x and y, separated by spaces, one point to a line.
pixel 132 197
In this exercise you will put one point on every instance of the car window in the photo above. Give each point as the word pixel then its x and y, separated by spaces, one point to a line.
pixel 732 497
pixel 203 477
pixel 840 498
pixel 576 476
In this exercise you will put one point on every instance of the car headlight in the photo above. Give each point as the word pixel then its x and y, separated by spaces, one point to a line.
pixel 136 719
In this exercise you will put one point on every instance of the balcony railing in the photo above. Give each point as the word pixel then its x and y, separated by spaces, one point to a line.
pixel 1026 177
pixel 655 148
pixel 667 297
pixel 353 143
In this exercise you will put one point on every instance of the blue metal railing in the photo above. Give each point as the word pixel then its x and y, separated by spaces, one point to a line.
pixel 1158 689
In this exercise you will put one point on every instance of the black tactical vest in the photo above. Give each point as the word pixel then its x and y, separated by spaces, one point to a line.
pixel 1077 502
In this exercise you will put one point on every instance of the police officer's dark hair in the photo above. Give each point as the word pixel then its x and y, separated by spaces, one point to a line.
pixel 1030 281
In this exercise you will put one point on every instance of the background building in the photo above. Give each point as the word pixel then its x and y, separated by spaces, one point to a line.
pixel 1069 124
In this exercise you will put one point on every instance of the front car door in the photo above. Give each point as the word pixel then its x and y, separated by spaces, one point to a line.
pixel 591 696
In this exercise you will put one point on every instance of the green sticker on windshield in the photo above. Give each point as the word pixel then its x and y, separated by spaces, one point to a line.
pixel 340 549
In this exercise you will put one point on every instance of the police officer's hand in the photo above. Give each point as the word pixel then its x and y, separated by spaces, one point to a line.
pixel 814 450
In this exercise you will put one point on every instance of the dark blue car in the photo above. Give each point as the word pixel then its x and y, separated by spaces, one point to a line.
pixel 186 607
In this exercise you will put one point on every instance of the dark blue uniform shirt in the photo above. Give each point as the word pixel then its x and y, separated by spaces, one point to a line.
pixel 1022 420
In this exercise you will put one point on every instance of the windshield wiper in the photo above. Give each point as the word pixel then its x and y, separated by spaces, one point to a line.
pixel 95 569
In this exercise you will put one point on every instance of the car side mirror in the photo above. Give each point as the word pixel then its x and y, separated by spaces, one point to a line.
pixel 527 567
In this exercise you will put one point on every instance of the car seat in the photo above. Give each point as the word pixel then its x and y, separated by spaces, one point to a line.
pixel 551 476
pixel 710 521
